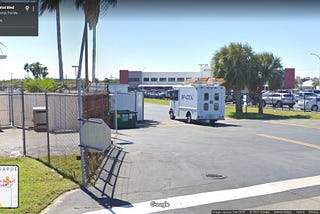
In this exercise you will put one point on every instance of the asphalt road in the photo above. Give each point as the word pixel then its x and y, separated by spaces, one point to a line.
pixel 175 167
pixel 171 158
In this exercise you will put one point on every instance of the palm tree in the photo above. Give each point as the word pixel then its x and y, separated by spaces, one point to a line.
pixel 38 71
pixel 276 80
pixel 233 64
pixel 92 11
pixel 263 67
pixel 52 5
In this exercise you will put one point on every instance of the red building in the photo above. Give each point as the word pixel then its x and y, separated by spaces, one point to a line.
pixel 124 76
pixel 289 78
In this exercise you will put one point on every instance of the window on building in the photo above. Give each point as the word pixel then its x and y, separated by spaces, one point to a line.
pixel 163 79
pixel 216 96
pixel 146 79
pixel 180 79
pixel 206 96
pixel 154 79
pixel 134 79
pixel 171 79
pixel 205 106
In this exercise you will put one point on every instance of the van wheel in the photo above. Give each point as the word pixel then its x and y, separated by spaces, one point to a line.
pixel 314 108
pixel 189 119
pixel 212 122
pixel 171 115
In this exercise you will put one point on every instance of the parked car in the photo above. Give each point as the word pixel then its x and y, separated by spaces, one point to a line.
pixel 278 99
pixel 304 94
pixel 309 104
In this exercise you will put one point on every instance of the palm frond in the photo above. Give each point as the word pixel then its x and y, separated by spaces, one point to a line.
pixel 49 5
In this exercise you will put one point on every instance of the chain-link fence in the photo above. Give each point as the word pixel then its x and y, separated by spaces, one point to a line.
pixel 95 105
pixel 5 113
pixel 49 126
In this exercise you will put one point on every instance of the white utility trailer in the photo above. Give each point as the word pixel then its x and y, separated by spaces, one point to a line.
pixel 198 102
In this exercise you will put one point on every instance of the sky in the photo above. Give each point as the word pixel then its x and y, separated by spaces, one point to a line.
pixel 172 36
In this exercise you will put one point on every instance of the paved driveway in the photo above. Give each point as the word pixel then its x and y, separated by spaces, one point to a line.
pixel 171 158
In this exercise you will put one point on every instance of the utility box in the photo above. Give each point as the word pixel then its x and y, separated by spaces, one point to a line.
pixel 125 119
pixel 39 119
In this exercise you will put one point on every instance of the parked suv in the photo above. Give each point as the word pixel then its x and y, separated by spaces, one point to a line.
pixel 278 99
pixel 309 104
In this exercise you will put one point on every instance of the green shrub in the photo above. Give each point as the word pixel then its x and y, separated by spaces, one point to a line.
pixel 41 85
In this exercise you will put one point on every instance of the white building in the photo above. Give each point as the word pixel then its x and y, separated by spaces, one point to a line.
pixel 138 78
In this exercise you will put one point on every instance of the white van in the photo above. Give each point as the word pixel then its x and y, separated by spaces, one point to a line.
pixel 198 102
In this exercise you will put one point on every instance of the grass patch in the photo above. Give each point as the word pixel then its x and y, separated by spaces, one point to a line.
pixel 156 101
pixel 67 165
pixel 39 185
pixel 269 114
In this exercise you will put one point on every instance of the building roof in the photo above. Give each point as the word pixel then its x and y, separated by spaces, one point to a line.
pixel 308 83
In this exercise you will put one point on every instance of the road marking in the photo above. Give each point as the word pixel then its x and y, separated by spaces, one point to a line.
pixel 290 141
pixel 193 200
pixel 292 124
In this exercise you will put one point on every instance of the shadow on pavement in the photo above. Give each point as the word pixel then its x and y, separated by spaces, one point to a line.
pixel 267 116
pixel 147 123
pixel 103 187
pixel 206 123
pixel 124 142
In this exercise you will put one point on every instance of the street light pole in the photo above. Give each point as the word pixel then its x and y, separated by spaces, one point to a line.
pixel 75 70
pixel 2 55
pixel 319 71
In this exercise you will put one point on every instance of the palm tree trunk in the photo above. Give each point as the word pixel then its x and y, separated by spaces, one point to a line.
pixel 260 103
pixel 86 56
pixel 237 93
pixel 94 54
pixel 59 42
pixel 81 51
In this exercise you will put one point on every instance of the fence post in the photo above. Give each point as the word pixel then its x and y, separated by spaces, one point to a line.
pixel 47 120
pixel 23 121
pixel 80 125
pixel 11 108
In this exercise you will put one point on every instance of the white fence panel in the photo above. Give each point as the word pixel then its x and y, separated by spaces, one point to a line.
pixel 132 101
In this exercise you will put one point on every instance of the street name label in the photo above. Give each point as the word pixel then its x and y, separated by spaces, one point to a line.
pixel 9 186
pixel 19 18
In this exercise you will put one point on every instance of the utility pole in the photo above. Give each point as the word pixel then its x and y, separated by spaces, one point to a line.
pixel 319 71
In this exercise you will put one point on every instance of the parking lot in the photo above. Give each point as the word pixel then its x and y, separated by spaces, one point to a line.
pixel 169 159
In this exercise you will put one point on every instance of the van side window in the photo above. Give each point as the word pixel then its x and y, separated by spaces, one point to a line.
pixel 216 96
pixel 216 106
pixel 205 106
pixel 206 96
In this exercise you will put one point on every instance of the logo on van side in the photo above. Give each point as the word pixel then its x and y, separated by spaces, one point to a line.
pixel 186 97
